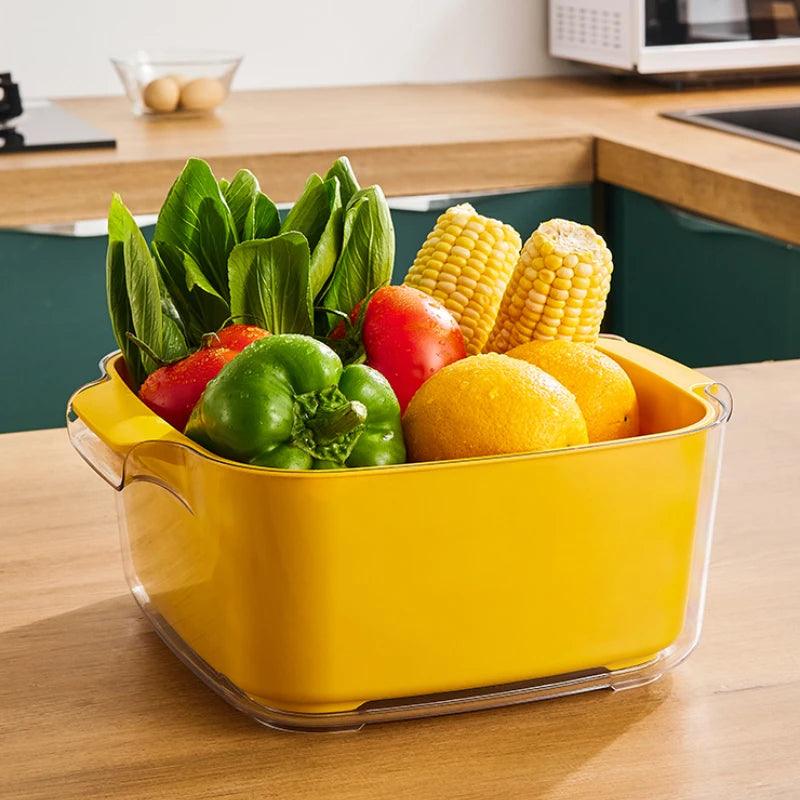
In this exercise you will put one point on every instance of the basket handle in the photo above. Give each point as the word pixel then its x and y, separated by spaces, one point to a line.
pixel 106 420
pixel 721 396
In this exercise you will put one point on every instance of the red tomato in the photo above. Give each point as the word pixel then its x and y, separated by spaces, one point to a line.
pixel 173 391
pixel 237 337
pixel 408 336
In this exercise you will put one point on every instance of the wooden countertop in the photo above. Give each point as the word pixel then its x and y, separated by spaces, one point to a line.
pixel 93 705
pixel 418 139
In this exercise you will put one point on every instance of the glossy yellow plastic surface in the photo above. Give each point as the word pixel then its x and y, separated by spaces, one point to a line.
pixel 321 591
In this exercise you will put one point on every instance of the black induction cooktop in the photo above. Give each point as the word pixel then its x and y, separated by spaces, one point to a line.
pixel 47 126
pixel 774 124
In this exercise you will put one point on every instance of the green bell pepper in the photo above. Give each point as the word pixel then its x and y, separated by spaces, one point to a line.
pixel 285 401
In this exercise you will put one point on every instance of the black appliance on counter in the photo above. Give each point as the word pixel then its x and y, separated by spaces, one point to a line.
pixel 42 125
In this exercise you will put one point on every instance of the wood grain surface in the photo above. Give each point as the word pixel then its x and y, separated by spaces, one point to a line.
pixel 92 705
pixel 418 139
pixel 410 139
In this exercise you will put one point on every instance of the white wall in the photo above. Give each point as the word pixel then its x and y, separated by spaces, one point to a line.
pixel 58 48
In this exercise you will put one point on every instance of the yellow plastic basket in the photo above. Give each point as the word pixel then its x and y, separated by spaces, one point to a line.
pixel 330 599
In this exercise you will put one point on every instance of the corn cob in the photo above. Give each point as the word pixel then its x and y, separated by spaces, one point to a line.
pixel 466 263
pixel 558 290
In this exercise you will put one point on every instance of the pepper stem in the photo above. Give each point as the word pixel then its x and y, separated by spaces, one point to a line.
pixel 329 424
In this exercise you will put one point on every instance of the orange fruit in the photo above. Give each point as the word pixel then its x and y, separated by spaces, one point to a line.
pixel 489 405
pixel 602 388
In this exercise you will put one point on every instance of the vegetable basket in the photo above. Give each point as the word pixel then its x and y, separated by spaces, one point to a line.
pixel 328 599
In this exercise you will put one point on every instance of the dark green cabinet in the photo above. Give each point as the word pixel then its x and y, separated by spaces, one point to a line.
pixel 699 291
pixel 55 327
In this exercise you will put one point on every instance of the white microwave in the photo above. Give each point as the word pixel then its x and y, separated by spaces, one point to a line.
pixel 678 38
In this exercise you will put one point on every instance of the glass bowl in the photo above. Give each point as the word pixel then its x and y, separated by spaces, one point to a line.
pixel 180 82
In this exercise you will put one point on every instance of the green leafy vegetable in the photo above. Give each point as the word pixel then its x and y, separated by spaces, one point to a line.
pixel 239 195
pixel 119 308
pixel 173 332
pixel 220 250
pixel 323 259
pixel 367 253
pixel 348 185
pixel 217 240
pixel 143 294
pixel 262 220
pixel 191 215
pixel 309 215
pixel 318 216
pixel 137 297
pixel 269 282
pixel 199 305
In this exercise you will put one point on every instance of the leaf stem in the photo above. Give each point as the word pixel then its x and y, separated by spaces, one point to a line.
pixel 149 352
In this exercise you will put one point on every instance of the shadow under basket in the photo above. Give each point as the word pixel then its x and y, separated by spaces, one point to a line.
pixel 326 600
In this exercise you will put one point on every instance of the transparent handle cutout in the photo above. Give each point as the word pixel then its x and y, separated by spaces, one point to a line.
pixel 98 455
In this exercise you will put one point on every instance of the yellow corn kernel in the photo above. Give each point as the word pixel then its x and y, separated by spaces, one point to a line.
pixel 561 281
pixel 466 263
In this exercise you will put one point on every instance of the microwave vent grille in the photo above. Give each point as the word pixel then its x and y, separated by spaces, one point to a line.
pixel 594 26
pixel 593 31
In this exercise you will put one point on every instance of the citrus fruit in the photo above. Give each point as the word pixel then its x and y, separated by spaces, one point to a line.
pixel 489 405
pixel 602 388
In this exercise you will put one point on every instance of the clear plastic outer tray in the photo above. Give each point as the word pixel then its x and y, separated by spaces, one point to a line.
pixel 327 600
